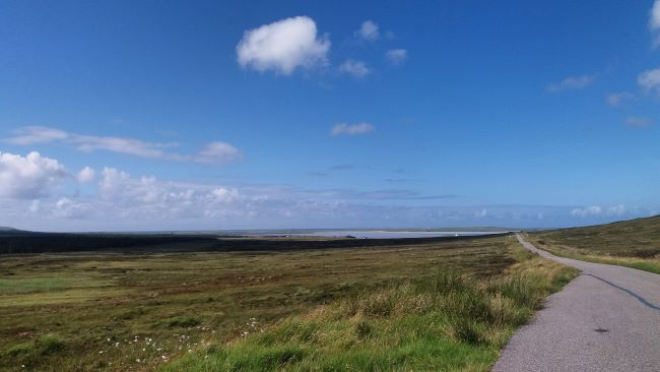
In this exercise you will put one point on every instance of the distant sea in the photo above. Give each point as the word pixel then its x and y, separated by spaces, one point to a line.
pixel 377 234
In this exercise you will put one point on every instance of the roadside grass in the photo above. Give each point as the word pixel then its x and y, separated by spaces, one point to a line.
pixel 371 307
pixel 634 243
pixel 448 321
pixel 651 264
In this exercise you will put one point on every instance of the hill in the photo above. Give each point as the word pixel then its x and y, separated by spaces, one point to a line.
pixel 634 243
pixel 638 238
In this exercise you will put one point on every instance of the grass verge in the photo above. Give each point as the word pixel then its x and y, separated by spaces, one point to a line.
pixel 651 264
pixel 633 243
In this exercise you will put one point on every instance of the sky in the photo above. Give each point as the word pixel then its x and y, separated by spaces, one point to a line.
pixel 211 115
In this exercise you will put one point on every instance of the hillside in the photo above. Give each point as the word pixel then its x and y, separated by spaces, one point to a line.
pixel 634 238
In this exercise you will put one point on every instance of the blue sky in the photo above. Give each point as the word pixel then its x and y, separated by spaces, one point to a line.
pixel 156 115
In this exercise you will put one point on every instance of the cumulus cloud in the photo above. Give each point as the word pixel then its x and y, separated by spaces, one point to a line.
pixel 617 99
pixel 654 22
pixel 352 129
pixel 396 56
pixel 572 83
pixel 86 175
pixel 220 153
pixel 638 122
pixel 356 68
pixel 650 80
pixel 598 211
pixel 368 31
pixel 617 210
pixel 28 177
pixel 283 46
pixel 593 210
pixel 122 201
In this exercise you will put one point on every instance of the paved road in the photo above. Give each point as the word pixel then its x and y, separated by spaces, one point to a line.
pixel 607 319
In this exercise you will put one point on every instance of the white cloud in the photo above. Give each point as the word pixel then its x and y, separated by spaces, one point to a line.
pixel 481 213
pixel 368 31
pixel 650 80
pixel 283 46
pixel 86 175
pixel 593 210
pixel 122 202
pixel 638 122
pixel 34 206
pixel 351 129
pixel 36 134
pixel 617 210
pixel 121 145
pixel 654 22
pixel 219 153
pixel 68 208
pixel 356 68
pixel 28 177
pixel 396 56
pixel 598 211
pixel 616 99
pixel 571 83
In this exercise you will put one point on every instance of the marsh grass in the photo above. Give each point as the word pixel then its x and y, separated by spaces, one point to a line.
pixel 448 321
pixel 437 304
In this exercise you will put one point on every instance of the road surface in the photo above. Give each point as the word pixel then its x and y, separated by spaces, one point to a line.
pixel 607 319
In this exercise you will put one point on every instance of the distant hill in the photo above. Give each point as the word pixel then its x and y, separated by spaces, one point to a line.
pixel 639 237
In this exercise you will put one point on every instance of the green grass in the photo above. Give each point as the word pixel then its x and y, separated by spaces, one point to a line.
pixel 373 308
pixel 444 322
pixel 634 243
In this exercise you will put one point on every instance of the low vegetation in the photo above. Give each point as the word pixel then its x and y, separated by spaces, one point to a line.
pixel 447 321
pixel 634 243
pixel 429 305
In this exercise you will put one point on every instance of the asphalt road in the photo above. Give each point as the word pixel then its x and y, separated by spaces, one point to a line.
pixel 607 319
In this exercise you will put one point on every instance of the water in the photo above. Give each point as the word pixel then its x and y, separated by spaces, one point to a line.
pixel 383 234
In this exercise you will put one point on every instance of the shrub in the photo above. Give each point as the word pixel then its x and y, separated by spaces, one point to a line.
pixel 50 343
pixel 20 350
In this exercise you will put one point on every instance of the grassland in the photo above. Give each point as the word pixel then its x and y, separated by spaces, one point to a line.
pixel 634 243
pixel 423 305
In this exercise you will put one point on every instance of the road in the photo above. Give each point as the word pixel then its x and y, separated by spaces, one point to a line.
pixel 607 319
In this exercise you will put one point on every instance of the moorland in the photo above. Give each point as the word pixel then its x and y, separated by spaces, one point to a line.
pixel 217 303
pixel 633 243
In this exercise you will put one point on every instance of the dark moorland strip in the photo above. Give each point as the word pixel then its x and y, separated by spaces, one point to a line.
pixel 27 242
